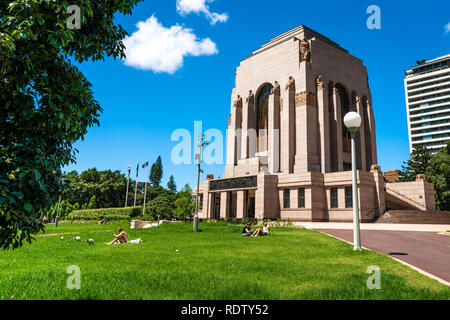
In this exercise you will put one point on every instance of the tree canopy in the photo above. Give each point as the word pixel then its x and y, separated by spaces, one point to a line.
pixel 416 164
pixel 47 104
pixel 438 172
pixel 171 185
pixel 156 172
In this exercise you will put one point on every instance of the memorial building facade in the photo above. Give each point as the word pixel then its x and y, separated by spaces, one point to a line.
pixel 288 151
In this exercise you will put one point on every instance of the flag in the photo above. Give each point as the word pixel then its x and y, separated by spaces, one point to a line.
pixel 145 164
pixel 129 170
pixel 137 169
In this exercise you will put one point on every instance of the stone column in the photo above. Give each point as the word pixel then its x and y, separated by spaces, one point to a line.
pixel 372 131
pixel 306 132
pixel 287 132
pixel 379 185
pixel 361 134
pixel 267 202
pixel 210 204
pixel 240 204
pixel 224 201
pixel 234 132
pixel 247 146
pixel 274 130
pixel 324 130
pixel 205 205
pixel 338 119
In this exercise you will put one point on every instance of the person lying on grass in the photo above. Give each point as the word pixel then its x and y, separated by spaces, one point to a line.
pixel 122 237
pixel 247 231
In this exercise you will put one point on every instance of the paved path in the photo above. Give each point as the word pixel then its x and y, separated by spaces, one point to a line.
pixel 428 251
pixel 376 226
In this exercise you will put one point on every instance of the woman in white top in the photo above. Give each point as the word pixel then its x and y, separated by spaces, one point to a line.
pixel 266 230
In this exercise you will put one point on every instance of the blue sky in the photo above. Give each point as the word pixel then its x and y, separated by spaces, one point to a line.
pixel 152 94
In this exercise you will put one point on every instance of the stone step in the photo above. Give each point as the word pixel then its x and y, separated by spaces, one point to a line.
pixel 415 217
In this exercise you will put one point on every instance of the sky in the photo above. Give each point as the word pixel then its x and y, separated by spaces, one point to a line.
pixel 181 61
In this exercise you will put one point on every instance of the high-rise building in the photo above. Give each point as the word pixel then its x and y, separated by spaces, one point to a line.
pixel 427 91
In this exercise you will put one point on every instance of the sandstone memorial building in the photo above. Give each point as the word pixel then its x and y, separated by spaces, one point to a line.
pixel 288 151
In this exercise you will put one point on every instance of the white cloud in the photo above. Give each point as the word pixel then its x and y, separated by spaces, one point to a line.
pixel 447 28
pixel 200 6
pixel 160 49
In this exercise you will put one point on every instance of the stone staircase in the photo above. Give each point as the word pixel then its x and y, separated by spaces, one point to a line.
pixel 397 201
pixel 415 217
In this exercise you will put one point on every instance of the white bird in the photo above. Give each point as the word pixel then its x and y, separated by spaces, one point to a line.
pixel 90 241
pixel 77 238
pixel 62 238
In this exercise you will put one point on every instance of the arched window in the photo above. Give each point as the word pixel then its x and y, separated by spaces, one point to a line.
pixel 345 108
pixel 262 116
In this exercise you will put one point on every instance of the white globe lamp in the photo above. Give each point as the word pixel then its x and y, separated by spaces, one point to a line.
pixel 352 120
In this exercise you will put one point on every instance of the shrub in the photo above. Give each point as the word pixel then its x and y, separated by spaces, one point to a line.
pixel 106 214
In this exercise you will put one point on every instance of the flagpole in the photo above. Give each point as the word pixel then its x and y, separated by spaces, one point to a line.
pixel 145 190
pixel 128 184
pixel 135 189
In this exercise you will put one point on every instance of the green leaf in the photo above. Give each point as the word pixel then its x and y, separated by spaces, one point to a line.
pixel 27 207
pixel 37 174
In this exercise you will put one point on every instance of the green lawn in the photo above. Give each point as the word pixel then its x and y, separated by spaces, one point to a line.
pixel 216 263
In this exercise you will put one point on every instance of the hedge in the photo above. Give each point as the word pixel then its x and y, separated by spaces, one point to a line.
pixel 110 217
pixel 105 214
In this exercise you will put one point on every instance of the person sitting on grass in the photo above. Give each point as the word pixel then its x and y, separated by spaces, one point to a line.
pixel 122 237
pixel 247 231
pixel 266 229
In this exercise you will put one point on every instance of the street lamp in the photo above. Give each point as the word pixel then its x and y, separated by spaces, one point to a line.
pixel 198 157
pixel 352 121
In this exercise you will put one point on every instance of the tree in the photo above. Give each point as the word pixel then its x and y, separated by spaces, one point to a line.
pixel 184 205
pixel 92 203
pixel 46 102
pixel 156 172
pixel 171 184
pixel 108 186
pixel 438 172
pixel 417 164
pixel 162 205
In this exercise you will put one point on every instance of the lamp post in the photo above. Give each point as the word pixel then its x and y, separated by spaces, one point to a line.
pixel 198 157
pixel 352 121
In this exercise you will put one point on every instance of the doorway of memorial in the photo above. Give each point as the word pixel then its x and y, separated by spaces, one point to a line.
pixel 216 207
pixel 232 204
pixel 250 204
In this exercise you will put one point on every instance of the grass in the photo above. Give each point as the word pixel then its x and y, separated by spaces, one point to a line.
pixel 216 263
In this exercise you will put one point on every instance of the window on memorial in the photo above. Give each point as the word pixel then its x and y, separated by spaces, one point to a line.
pixel 262 117
pixel 286 198
pixel 200 201
pixel 301 197
pixel 347 166
pixel 334 197
pixel 345 108
pixel 348 197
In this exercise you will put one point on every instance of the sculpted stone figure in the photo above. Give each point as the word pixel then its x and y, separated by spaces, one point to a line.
pixel 276 89
pixel 238 102
pixel 251 97
pixel 320 83
pixel 305 50
pixel 291 83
